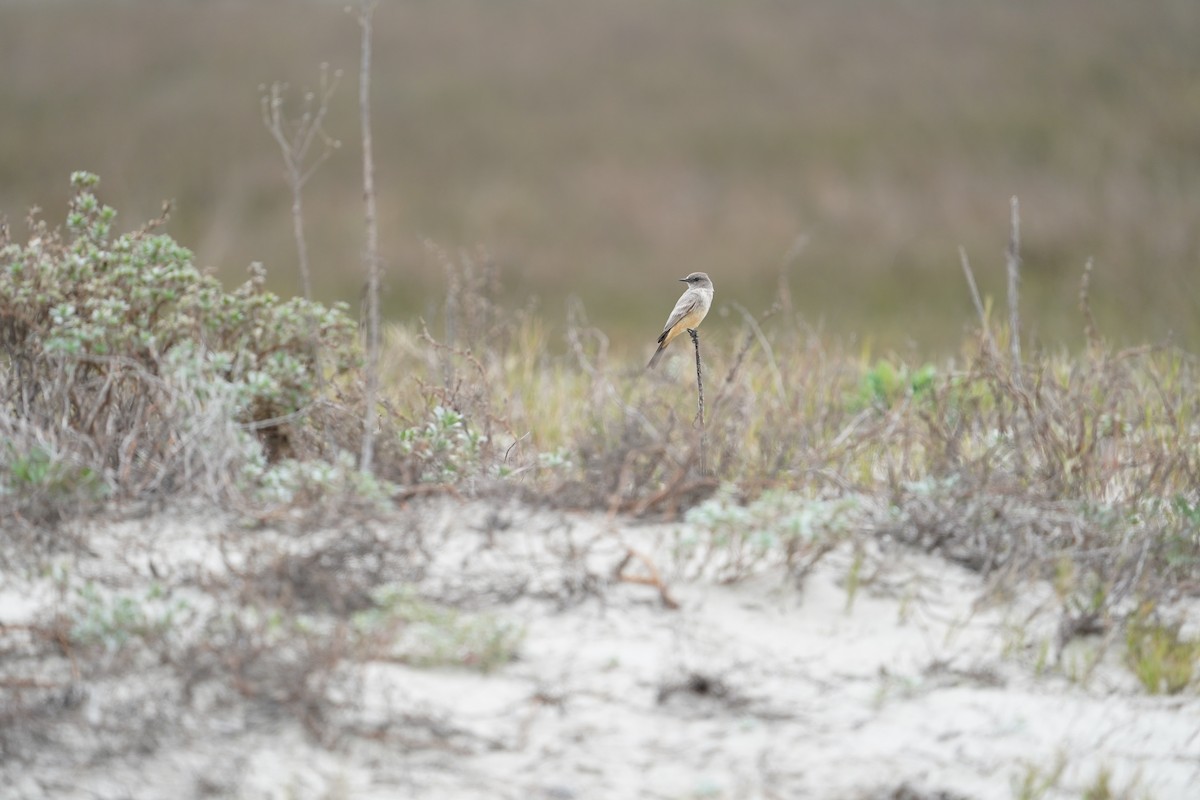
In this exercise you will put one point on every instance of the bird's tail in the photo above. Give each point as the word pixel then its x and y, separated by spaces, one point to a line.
pixel 657 355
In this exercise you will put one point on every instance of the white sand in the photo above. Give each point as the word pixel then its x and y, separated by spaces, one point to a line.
pixel 911 685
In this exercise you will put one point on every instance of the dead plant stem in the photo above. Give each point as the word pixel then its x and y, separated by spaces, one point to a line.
pixel 1013 262
pixel 371 390
pixel 699 398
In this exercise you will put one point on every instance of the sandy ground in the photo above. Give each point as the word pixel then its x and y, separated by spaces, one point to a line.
pixel 907 688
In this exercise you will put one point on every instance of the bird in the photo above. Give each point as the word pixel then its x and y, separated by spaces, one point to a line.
pixel 688 313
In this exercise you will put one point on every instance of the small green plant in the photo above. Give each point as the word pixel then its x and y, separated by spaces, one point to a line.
pixel 424 634
pixel 292 481
pixel 1034 782
pixel 1103 787
pixel 1080 660
pixel 112 621
pixel 1182 540
pixel 854 577
pixel 1159 655
pixel 1100 788
pixel 885 383
pixel 43 483
pixel 1041 662
pixel 445 447
pixel 731 541
pixel 1188 511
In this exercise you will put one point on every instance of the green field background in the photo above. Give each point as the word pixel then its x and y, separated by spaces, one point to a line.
pixel 845 148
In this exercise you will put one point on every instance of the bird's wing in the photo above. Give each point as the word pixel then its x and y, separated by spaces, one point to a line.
pixel 686 305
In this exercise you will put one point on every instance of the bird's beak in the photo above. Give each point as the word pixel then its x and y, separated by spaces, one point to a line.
pixel 683 280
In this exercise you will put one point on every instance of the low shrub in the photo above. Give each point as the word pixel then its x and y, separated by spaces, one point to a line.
pixel 125 360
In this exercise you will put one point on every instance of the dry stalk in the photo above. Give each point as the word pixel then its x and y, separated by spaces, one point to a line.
pixel 371 256
pixel 699 422
pixel 295 139
pixel 653 578
pixel 1013 262
pixel 601 382
pixel 979 308
pixel 1085 307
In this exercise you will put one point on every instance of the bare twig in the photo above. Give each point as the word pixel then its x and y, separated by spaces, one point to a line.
pixel 651 578
pixel 1013 262
pixel 1085 306
pixel 576 323
pixel 979 309
pixel 764 343
pixel 751 338
pixel 296 138
pixel 699 397
pixel 366 10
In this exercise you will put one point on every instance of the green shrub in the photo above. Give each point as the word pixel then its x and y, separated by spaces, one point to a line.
pixel 44 484
pixel 731 541
pixel 119 347
pixel 884 384
pixel 111 621
pixel 445 446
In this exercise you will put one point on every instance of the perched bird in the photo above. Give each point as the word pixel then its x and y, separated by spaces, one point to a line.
pixel 693 305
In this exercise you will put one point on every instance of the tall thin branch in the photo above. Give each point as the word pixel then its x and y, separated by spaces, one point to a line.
pixel 699 400
pixel 295 139
pixel 1013 261
pixel 975 298
pixel 1085 306
pixel 371 256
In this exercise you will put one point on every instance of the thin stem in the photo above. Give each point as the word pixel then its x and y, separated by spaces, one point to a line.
pixel 298 233
pixel 371 390
pixel 699 399
pixel 295 138
pixel 1085 306
pixel 1013 261
pixel 979 309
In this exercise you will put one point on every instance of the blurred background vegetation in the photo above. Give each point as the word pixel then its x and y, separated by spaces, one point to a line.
pixel 603 149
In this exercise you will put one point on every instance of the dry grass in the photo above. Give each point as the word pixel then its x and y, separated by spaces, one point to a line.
pixel 1075 467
